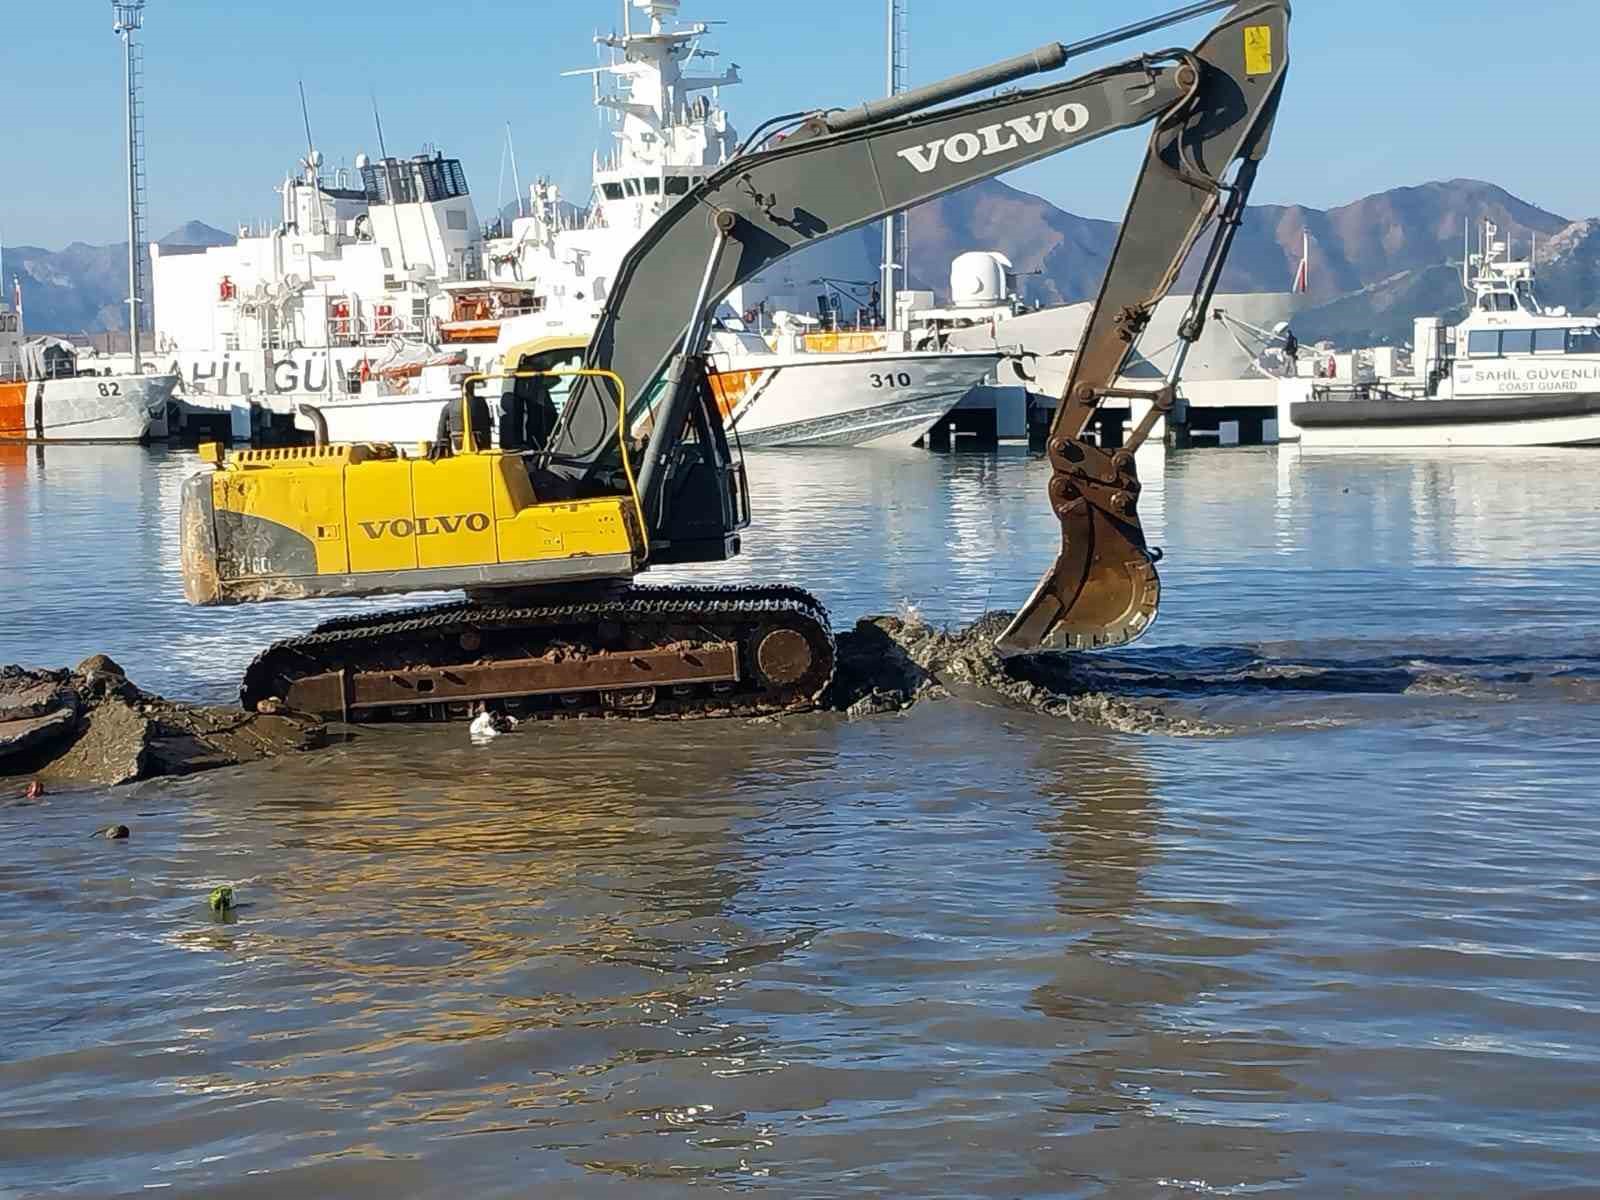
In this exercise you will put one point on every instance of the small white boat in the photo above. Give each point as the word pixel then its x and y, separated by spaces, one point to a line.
pixel 805 398
pixel 44 398
pixel 1514 373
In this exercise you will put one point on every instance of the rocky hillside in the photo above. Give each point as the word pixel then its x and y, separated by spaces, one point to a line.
pixel 84 288
pixel 1375 254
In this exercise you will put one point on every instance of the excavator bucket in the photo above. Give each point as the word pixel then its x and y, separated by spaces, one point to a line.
pixel 1103 589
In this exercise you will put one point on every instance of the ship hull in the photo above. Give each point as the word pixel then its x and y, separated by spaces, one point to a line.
pixel 1481 421
pixel 856 400
pixel 859 400
pixel 86 408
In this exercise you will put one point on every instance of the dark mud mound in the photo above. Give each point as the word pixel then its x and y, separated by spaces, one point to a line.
pixel 91 726
pixel 886 664
pixel 1206 672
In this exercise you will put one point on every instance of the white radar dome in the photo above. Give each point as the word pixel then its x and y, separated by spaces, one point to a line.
pixel 978 279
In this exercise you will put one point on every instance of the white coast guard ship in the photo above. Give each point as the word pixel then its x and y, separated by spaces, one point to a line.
pixel 46 397
pixel 340 297
pixel 1513 373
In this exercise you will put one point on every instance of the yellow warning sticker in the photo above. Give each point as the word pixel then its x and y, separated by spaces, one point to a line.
pixel 1258 49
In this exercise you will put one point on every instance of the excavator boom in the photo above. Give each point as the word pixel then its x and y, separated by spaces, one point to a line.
pixel 1213 108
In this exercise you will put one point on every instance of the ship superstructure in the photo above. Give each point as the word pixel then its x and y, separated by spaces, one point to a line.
pixel 668 131
pixel 348 278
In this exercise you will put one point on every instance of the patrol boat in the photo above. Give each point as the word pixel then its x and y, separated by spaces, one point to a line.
pixel 45 397
pixel 1513 373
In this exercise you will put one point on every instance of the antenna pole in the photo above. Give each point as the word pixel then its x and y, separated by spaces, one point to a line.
pixel 516 180
pixel 388 175
pixel 896 229
pixel 127 18
pixel 312 164
pixel 305 116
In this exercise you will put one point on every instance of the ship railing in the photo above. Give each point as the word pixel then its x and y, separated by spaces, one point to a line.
pixel 1393 389
pixel 374 330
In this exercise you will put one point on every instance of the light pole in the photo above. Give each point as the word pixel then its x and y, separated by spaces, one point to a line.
pixel 127 18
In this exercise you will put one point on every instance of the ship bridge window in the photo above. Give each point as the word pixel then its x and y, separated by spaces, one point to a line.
pixel 391 181
pixel 652 187
pixel 1484 343
pixel 677 185
pixel 1550 341
pixel 1498 302
pixel 613 191
pixel 1516 341
pixel 1583 341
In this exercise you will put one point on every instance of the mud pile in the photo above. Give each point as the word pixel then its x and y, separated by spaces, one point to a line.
pixel 886 664
pixel 91 726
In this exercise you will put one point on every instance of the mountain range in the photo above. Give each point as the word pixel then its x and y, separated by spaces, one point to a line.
pixel 1375 263
pixel 84 288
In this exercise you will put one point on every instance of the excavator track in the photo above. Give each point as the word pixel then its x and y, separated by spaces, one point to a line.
pixel 641 652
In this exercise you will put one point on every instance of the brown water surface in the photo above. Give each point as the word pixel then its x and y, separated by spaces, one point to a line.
pixel 1349 945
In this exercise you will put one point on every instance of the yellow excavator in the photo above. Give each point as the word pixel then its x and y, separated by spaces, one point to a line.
pixel 546 539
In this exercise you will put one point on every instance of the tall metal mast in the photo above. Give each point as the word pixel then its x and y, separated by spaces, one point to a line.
pixel 127 18
pixel 896 230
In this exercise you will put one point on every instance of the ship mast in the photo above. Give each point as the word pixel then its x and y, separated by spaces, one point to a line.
pixel 127 18
pixel 896 230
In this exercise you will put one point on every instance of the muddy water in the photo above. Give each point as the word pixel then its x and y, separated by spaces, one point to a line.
pixel 1345 942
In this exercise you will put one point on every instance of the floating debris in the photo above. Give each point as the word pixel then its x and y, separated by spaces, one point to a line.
pixel 221 900
pixel 113 833
pixel 487 726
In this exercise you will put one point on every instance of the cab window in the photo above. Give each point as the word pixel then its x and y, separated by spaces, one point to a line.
pixel 1483 343
pixel 1550 341
pixel 613 191
pixel 677 185
pixel 652 186
pixel 1516 341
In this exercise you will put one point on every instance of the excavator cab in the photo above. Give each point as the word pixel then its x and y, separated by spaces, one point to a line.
pixel 539 380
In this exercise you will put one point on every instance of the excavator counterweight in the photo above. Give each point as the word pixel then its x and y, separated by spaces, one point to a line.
pixel 638 471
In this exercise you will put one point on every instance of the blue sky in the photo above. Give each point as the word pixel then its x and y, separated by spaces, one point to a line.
pixel 1383 93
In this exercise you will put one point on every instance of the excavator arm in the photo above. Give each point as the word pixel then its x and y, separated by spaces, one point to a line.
pixel 1213 107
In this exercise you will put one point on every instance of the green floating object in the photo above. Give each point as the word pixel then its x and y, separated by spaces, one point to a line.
pixel 221 900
